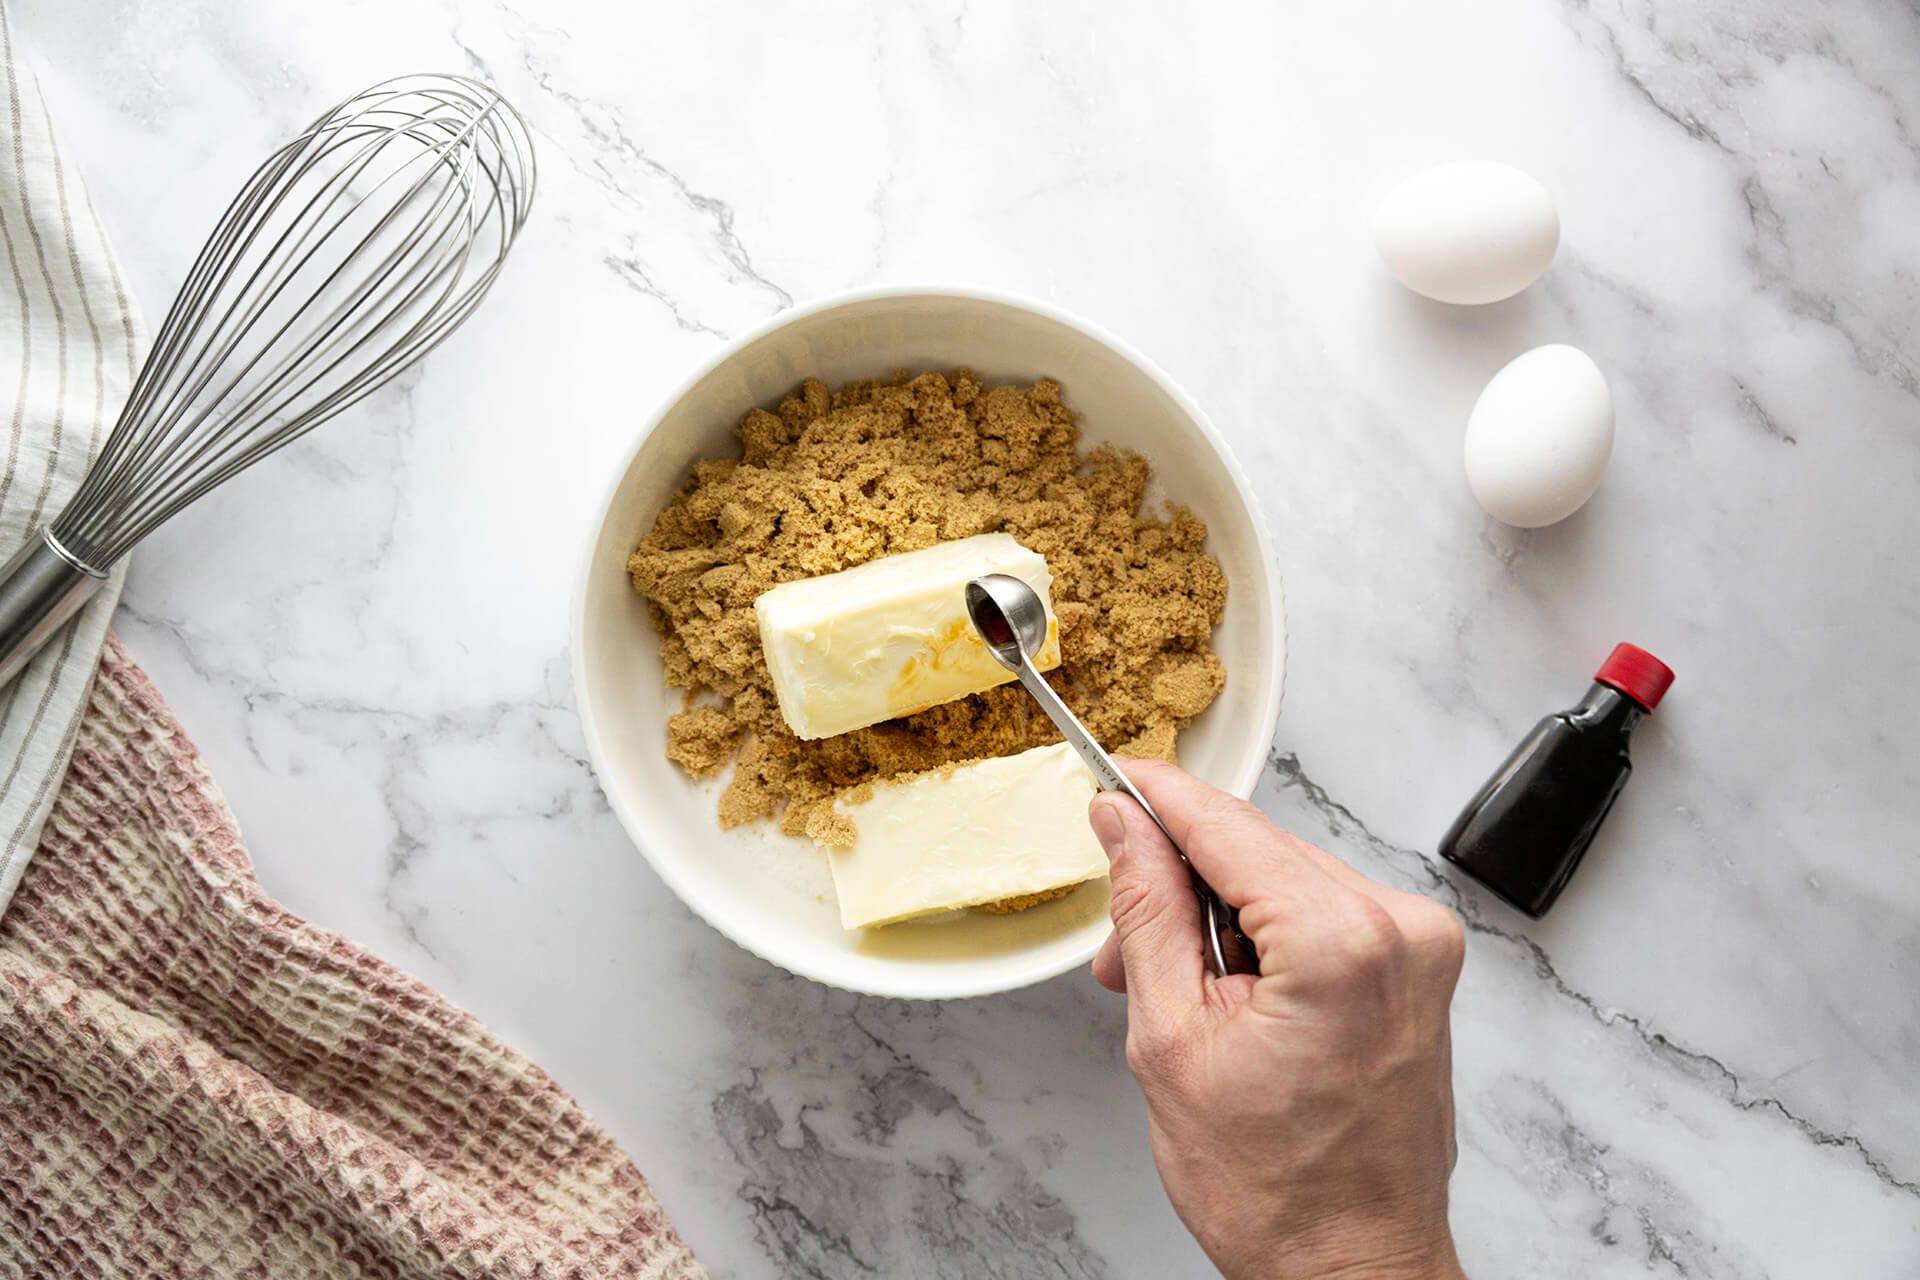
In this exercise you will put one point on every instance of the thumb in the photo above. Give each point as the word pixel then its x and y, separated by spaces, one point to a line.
pixel 1155 914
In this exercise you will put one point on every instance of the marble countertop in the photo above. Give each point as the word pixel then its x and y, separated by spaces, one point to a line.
pixel 1701 1065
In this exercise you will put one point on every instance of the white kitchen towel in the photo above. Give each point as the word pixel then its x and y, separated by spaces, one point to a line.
pixel 70 345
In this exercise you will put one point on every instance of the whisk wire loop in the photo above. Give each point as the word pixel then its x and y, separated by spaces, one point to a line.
pixel 357 247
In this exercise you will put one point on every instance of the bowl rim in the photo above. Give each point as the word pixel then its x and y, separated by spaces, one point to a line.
pixel 933 988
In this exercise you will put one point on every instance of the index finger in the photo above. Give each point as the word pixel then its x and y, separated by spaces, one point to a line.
pixel 1234 846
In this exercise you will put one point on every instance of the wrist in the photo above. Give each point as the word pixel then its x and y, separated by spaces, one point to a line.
pixel 1436 1261
pixel 1357 1258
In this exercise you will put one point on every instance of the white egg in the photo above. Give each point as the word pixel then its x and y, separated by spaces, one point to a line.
pixel 1539 437
pixel 1469 232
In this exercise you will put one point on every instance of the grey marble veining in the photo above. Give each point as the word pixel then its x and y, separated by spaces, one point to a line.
pixel 1700 1065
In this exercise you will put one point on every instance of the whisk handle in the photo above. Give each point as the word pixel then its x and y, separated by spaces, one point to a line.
pixel 40 589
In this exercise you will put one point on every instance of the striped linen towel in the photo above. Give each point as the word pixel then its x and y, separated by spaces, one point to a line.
pixel 70 343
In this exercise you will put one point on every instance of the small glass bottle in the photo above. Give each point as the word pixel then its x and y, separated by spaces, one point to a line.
pixel 1526 830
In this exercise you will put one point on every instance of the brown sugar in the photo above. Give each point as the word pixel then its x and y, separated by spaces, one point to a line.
pixel 702 740
pixel 830 480
pixel 1021 901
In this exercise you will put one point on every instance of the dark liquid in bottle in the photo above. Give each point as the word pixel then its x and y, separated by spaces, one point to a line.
pixel 1526 830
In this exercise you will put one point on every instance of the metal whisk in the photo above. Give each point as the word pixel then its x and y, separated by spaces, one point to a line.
pixel 354 250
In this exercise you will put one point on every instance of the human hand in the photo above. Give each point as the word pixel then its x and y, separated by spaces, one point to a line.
pixel 1301 1118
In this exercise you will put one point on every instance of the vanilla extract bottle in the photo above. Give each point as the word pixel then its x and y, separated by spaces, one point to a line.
pixel 1523 834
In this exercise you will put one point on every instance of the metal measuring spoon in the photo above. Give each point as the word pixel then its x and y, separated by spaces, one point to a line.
pixel 1012 622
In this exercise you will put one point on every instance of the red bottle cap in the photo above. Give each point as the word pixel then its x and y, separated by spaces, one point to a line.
pixel 1636 673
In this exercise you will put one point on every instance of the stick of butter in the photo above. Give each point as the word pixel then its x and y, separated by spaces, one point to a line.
pixel 890 637
pixel 975 834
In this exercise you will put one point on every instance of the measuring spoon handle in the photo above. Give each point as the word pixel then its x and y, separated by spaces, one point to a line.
pixel 1228 950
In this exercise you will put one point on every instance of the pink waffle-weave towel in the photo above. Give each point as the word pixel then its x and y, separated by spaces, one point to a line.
pixel 196 1082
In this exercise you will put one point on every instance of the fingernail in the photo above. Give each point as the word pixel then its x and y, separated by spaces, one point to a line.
pixel 1107 827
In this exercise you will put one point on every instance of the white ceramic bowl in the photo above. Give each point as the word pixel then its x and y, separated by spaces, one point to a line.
pixel 771 894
